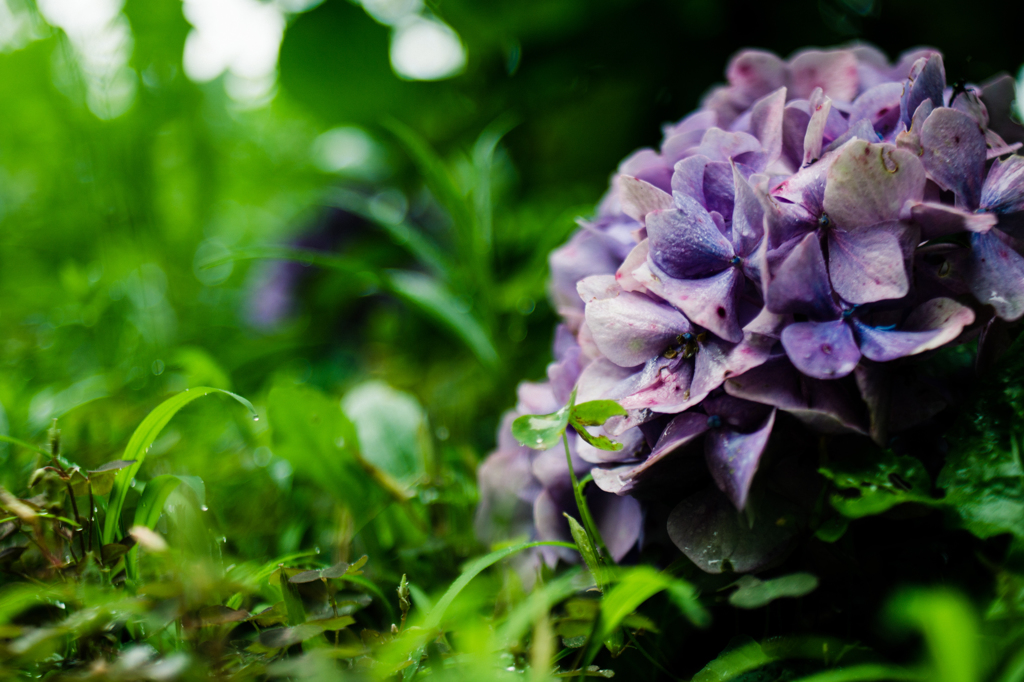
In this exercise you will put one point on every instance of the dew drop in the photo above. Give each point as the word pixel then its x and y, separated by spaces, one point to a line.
pixel 256 418
pixel 204 508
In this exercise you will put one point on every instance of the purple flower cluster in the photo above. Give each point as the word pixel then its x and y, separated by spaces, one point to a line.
pixel 817 221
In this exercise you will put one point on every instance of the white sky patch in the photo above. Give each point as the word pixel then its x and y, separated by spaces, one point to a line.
pixel 239 38
pixel 426 49
pixel 392 12
pixel 102 42
pixel 17 26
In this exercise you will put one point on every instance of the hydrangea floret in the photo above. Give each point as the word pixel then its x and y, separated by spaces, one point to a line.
pixel 783 266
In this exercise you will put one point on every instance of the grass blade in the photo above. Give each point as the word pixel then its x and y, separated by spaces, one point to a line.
pixel 868 672
pixel 433 619
pixel 433 298
pixel 148 513
pixel 140 443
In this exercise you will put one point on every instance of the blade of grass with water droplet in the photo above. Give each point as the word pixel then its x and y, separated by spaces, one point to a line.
pixel 140 443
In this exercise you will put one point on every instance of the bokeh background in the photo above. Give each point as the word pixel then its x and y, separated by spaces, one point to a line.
pixel 153 153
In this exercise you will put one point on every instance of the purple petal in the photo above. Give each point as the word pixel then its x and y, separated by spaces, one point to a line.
pixel 682 430
pixel 1003 191
pixel 718 187
pixel 911 139
pixel 954 154
pixel 747 214
pixel 794 129
pixel 718 360
pixel 880 106
pixel 766 123
pixel 735 413
pixel 636 258
pixel 796 281
pixel 822 350
pixel 707 529
pixel 599 381
pixel 638 198
pixel 998 96
pixel 721 145
pixel 996 274
pixel 549 467
pixel 585 254
pixel 870 183
pixel 619 520
pixel 669 392
pixel 708 302
pixel 597 288
pixel 933 324
pixel 631 328
pixel 688 178
pixel 940 220
pixel 794 205
pixel 821 106
pixel 551 525
pixel 755 73
pixel 507 491
pixel 834 71
pixel 649 166
pixel 823 405
pixel 861 130
pixel 866 265
pixel 685 242
pixel 733 457
pixel 927 82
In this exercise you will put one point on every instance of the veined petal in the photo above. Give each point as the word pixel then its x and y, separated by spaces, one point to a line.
pixel 796 280
pixel 822 350
pixel 821 106
pixel 995 274
pixel 927 81
pixel 708 302
pixel 866 265
pixel 1003 191
pixel 631 328
pixel 668 393
pixel 722 145
pixel 682 430
pixel 733 457
pixel 880 106
pixel 619 520
pixel 766 123
pixel 834 71
pixel 870 183
pixel 931 325
pixel 823 405
pixel 638 198
pixel 636 258
pixel 954 154
pixel 939 220
pixel 755 73
pixel 685 242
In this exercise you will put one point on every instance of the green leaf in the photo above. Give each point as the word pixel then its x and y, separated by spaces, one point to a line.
pixel 596 412
pixel 866 672
pixel 950 628
pixel 877 480
pixel 147 513
pixel 394 435
pixel 754 593
pixel 140 443
pixel 541 431
pixel 586 548
pixel 983 476
pixel 745 655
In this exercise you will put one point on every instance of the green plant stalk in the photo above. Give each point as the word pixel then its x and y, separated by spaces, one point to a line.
pixel 581 504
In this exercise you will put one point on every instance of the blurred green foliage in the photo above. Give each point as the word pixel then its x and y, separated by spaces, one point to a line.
pixel 363 257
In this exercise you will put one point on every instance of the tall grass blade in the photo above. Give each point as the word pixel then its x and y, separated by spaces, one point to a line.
pixel 140 443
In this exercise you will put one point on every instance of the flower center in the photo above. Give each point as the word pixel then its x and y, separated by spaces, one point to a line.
pixel 714 422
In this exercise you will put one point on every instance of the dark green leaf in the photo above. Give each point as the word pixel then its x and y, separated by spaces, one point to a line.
pixel 754 593
pixel 292 600
pixel 877 481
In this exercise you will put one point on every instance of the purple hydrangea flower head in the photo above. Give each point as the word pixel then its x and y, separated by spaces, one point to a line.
pixel 780 267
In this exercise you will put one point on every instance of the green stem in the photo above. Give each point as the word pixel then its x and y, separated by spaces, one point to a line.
pixel 581 504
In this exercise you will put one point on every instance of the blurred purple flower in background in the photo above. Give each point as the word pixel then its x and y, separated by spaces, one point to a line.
pixel 763 275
